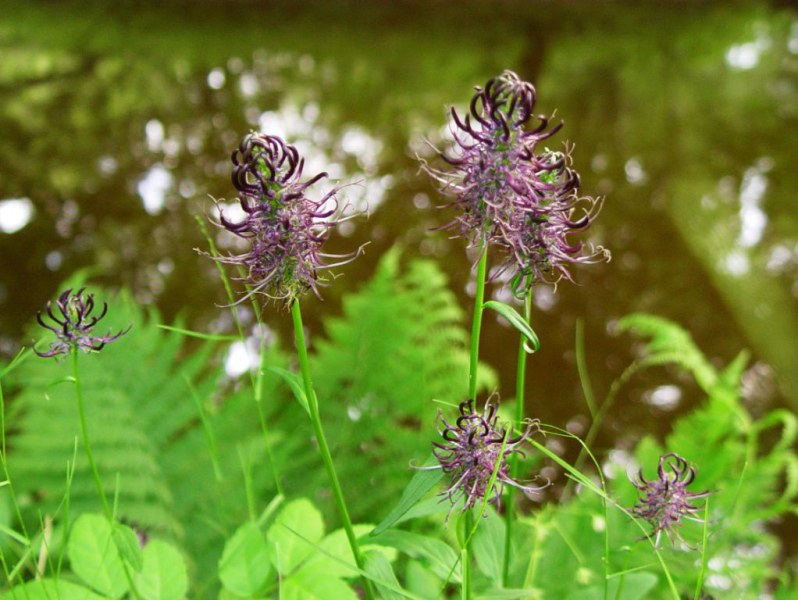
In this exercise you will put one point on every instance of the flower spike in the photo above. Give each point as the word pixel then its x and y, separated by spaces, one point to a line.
pixel 511 195
pixel 285 228
pixel 665 501
pixel 74 323
pixel 473 449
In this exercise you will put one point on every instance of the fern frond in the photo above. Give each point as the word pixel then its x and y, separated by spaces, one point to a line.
pixel 670 343
pixel 399 345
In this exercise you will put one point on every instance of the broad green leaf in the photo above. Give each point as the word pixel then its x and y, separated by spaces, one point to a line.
pixel 294 382
pixel 292 535
pixel 421 483
pixel 380 570
pixel 244 567
pixel 517 321
pixel 309 584
pixel 488 546
pixel 94 556
pixel 337 545
pixel 49 589
pixel 164 575
pixel 127 543
pixel 438 555
pixel 422 581
pixel 634 586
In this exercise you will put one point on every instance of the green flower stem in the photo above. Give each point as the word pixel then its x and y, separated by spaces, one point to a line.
pixel 520 383
pixel 476 328
pixel 256 381
pixel 92 465
pixel 85 433
pixel 324 449
pixel 4 462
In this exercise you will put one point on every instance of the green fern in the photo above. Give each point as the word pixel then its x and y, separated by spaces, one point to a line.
pixel 399 346
pixel 727 446
pixel 669 343
pixel 753 483
pixel 146 434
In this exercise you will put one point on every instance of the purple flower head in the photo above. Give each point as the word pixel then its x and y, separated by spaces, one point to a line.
pixel 74 323
pixel 473 448
pixel 510 195
pixel 665 501
pixel 285 228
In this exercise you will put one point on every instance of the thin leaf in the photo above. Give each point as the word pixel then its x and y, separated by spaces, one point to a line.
pixel 442 558
pixel 421 483
pixel 199 334
pixel 517 321
pixel 49 589
pixel 381 572
pixel 294 382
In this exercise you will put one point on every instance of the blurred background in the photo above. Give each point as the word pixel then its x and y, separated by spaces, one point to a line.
pixel 118 121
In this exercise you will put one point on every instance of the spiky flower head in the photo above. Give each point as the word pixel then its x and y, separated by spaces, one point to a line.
pixel 509 193
pixel 665 501
pixel 474 449
pixel 74 323
pixel 286 229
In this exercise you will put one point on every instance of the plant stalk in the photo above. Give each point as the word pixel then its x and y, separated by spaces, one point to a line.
pixel 324 449
pixel 476 328
pixel 520 412
pixel 85 434
pixel 476 325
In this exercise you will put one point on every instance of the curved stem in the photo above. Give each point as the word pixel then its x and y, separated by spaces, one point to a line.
pixel 85 434
pixel 324 448
pixel 520 383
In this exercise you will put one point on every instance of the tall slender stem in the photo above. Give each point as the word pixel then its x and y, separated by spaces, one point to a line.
pixel 476 328
pixel 520 411
pixel 476 325
pixel 85 434
pixel 324 449
pixel 109 514
pixel 256 381
pixel 4 463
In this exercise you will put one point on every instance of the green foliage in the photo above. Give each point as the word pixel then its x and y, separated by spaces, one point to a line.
pixel 180 447
pixel 158 573
pixel 293 558
pixel 399 345
pixel 94 556
pixel 151 447
pixel 748 464
pixel 244 567
pixel 591 547
pixel 183 455
pixel 163 574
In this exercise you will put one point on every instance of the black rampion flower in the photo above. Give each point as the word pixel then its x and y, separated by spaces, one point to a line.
pixel 665 501
pixel 473 448
pixel 286 229
pixel 74 323
pixel 509 194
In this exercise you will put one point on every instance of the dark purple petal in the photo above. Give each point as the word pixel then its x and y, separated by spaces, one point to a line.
pixel 75 324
